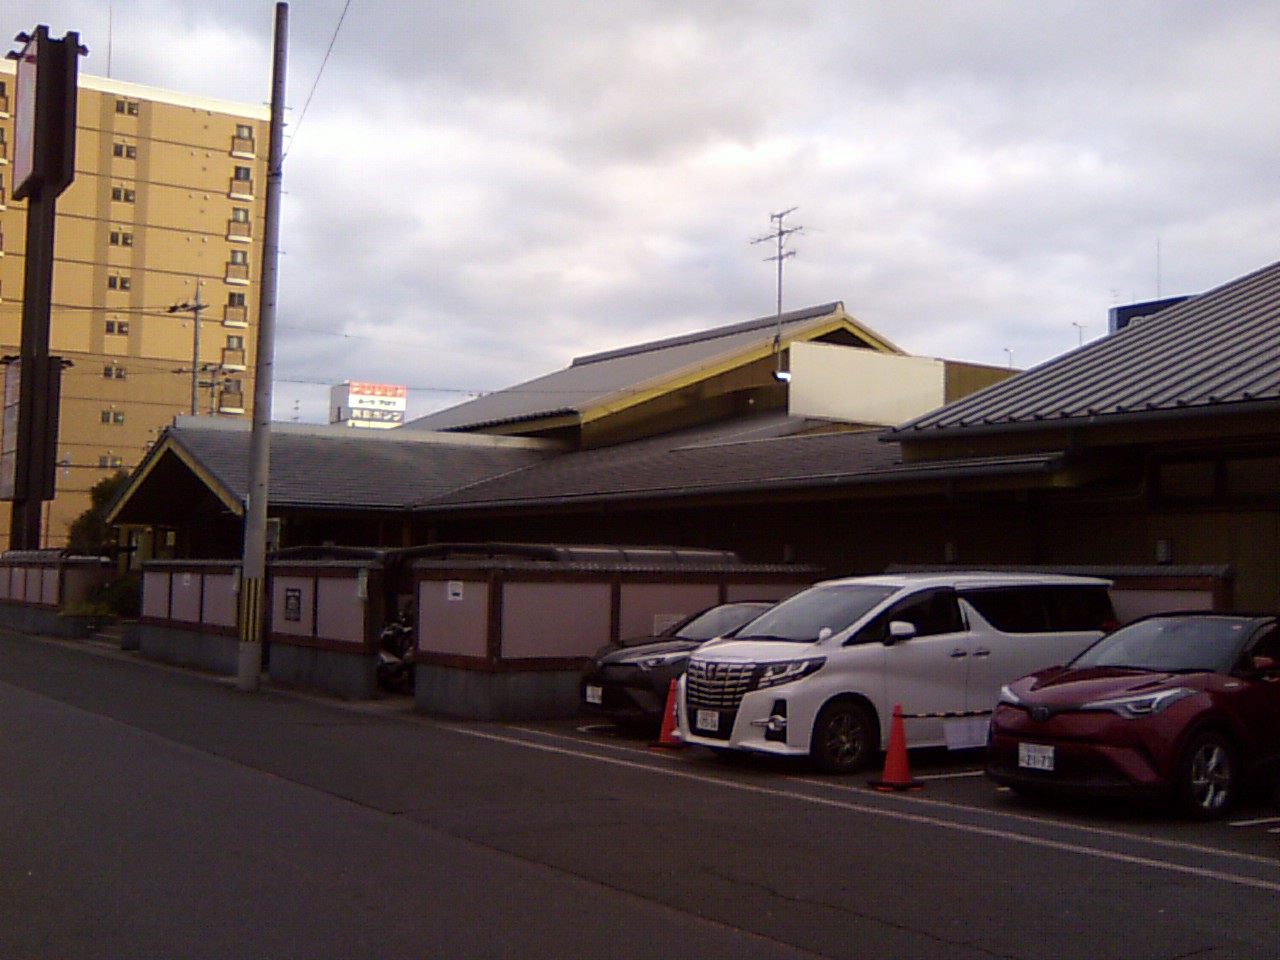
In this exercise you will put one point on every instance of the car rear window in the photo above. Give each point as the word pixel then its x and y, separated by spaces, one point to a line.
pixel 1043 609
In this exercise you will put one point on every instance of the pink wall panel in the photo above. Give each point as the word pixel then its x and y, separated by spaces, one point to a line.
pixel 646 605
pixel 453 617
pixel 339 610
pixel 155 594
pixel 221 599
pixel 186 596
pixel 49 586
pixel 554 619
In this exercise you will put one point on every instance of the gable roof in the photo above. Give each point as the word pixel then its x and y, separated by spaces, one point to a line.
pixel 322 467
pixel 599 384
pixel 1218 352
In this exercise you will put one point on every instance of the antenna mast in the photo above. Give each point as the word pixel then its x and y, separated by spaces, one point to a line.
pixel 779 237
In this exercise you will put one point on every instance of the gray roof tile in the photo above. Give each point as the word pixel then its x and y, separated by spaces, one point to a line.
pixel 595 378
pixel 1219 348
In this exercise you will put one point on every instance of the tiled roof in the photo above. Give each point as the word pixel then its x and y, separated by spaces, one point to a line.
pixel 757 454
pixel 352 469
pixel 595 379
pixel 1216 350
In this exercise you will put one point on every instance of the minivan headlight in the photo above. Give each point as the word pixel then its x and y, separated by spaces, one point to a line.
pixel 786 671
pixel 661 659
pixel 1140 705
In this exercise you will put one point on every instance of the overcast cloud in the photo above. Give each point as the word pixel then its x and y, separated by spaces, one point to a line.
pixel 480 190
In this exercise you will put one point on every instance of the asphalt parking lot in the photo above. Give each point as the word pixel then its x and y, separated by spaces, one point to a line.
pixel 955 780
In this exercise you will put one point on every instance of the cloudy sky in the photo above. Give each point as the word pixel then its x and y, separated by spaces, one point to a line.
pixel 478 191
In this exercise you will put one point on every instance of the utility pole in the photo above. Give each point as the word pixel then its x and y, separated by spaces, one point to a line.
pixel 253 568
pixel 195 307
pixel 779 237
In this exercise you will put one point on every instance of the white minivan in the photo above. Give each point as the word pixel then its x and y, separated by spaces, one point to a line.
pixel 821 673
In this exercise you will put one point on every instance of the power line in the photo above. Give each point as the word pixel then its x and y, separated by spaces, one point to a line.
pixel 319 73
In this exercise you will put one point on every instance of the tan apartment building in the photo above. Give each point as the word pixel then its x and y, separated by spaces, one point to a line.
pixel 154 284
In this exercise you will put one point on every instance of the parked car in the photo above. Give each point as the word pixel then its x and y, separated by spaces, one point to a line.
pixel 821 672
pixel 1182 706
pixel 629 682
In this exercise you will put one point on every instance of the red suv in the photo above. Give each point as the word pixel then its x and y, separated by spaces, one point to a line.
pixel 1184 706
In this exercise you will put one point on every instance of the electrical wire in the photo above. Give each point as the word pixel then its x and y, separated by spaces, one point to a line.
pixel 319 73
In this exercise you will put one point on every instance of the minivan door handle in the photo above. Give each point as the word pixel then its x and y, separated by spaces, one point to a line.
pixel 982 652
pixel 959 652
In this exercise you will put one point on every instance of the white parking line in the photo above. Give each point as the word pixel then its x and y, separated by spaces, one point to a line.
pixel 1223 876
pixel 1259 821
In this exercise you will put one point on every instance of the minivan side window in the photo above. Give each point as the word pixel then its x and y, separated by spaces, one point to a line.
pixel 931 612
pixel 1043 609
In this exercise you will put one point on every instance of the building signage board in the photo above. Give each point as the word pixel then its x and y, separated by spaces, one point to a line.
pixel 359 404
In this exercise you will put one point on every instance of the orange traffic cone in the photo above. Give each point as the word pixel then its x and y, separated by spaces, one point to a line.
pixel 668 738
pixel 896 775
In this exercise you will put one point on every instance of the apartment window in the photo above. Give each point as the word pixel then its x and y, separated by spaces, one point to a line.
pixel 119 283
pixel 235 300
pixel 244 131
pixel 121 238
pixel 243 174
pixel 113 417
pixel 118 327
pixel 122 194
pixel 112 372
pixel 126 150
pixel 107 460
pixel 235 341
pixel 239 256
pixel 128 108
pixel 240 214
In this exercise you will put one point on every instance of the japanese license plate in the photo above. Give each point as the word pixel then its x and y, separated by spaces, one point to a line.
pixel 595 694
pixel 708 720
pixel 1035 756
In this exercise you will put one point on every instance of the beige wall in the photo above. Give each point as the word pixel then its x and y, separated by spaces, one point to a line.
pixel 179 225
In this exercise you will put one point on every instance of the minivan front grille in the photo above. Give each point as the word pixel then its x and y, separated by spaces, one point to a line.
pixel 710 685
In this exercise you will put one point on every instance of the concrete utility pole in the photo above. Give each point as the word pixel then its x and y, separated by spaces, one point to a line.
pixel 779 238
pixel 253 569
pixel 195 307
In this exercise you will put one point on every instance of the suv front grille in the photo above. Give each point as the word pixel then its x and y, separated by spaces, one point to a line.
pixel 717 686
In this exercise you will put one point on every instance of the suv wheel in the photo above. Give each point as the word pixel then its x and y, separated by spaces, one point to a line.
pixel 844 738
pixel 1207 777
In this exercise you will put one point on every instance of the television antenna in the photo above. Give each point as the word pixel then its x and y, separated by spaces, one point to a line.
pixel 778 236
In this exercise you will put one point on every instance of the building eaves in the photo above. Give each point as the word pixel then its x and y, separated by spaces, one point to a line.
pixel 695 464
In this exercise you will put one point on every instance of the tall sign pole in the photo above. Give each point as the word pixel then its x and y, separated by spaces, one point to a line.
pixel 253 569
pixel 43 166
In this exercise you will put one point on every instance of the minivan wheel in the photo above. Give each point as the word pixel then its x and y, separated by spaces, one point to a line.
pixel 1207 777
pixel 844 738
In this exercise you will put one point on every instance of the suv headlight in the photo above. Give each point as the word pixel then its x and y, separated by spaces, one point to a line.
pixel 1008 696
pixel 661 659
pixel 785 671
pixel 1140 705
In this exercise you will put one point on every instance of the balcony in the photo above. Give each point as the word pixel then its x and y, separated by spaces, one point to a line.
pixel 239 230
pixel 231 402
pixel 242 146
pixel 233 358
pixel 241 189
pixel 235 316
pixel 237 273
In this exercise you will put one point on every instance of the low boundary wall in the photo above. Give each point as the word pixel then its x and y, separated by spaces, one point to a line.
pixel 39 590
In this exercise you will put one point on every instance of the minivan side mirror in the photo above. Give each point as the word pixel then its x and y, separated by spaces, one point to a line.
pixel 899 630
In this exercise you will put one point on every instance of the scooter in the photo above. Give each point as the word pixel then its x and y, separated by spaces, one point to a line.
pixel 395 657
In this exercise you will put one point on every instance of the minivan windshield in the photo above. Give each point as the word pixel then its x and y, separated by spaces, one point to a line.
pixel 1170 644
pixel 802 618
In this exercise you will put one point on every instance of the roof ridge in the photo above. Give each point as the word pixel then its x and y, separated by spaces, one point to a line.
pixel 715 333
